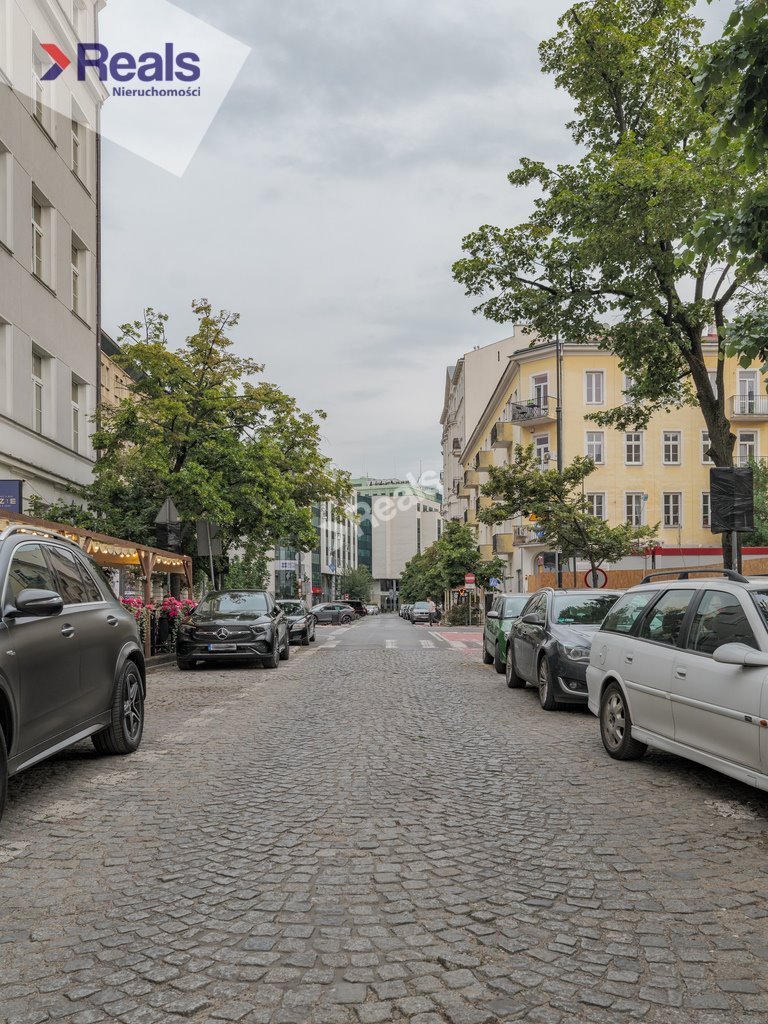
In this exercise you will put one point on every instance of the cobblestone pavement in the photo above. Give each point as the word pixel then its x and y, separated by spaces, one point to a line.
pixel 371 835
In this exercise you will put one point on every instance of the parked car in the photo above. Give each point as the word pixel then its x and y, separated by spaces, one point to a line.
pixel 498 622
pixel 549 644
pixel 301 621
pixel 334 612
pixel 235 626
pixel 360 608
pixel 419 612
pixel 71 663
pixel 373 609
pixel 405 610
pixel 682 665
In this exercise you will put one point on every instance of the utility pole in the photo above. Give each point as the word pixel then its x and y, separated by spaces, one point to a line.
pixel 559 428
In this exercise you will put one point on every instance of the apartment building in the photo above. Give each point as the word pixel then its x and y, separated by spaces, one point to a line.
pixel 49 250
pixel 315 575
pixel 397 519
pixel 115 381
pixel 468 387
pixel 659 475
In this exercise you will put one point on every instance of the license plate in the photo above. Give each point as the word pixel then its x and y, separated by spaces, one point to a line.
pixel 222 647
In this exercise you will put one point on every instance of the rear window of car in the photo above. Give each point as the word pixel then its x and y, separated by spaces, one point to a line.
pixel 627 610
pixel 589 610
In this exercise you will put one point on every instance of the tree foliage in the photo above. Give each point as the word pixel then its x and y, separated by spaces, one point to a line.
pixel 558 503
pixel 201 427
pixel 356 583
pixel 608 253
pixel 442 566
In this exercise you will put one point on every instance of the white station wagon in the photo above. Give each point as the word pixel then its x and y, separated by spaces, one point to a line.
pixel 683 666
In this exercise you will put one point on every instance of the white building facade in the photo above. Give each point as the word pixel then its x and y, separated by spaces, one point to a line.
pixel 49 251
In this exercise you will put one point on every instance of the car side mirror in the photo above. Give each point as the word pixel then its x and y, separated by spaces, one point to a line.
pixel 532 620
pixel 492 615
pixel 741 654
pixel 38 603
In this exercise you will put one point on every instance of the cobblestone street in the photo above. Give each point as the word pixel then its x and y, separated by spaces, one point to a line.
pixel 378 831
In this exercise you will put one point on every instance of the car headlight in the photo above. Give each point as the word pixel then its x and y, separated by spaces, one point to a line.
pixel 574 652
pixel 187 630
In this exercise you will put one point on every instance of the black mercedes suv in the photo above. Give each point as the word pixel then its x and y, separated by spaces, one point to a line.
pixel 71 663
pixel 234 625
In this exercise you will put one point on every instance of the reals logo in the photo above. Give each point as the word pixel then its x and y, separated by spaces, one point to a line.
pixel 168 66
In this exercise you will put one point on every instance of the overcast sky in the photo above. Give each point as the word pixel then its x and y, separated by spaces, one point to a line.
pixel 328 201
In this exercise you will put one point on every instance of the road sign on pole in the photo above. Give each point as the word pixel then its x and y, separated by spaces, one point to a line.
pixel 469 581
pixel 600 580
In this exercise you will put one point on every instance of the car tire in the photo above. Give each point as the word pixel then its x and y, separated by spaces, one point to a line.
pixel 514 681
pixel 305 638
pixel 286 651
pixel 272 660
pixel 616 726
pixel 124 732
pixel 313 637
pixel 184 665
pixel 346 620
pixel 3 773
pixel 498 664
pixel 487 658
pixel 546 686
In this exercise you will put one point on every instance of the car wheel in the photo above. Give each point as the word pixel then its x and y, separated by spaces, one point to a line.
pixel 616 726
pixel 487 658
pixel 305 638
pixel 123 735
pixel 313 637
pixel 346 620
pixel 286 651
pixel 183 665
pixel 546 687
pixel 514 681
pixel 3 773
pixel 498 664
pixel 272 660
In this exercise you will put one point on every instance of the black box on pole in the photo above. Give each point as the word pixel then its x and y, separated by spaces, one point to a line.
pixel 731 500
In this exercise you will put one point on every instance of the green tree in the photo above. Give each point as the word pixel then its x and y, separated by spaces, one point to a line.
pixel 248 572
pixel 356 583
pixel 201 428
pixel 758 537
pixel 442 566
pixel 562 512
pixel 608 251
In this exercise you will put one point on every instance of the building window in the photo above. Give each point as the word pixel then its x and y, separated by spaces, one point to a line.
pixel 596 505
pixel 712 374
pixel 747 448
pixel 6 190
pixel 38 70
pixel 633 448
pixel 540 389
pixel 634 506
pixel 671 447
pixel 37 392
pixel 673 503
pixel 79 291
pixel 705 446
pixel 594 386
pixel 629 383
pixel 76 388
pixel 38 240
pixel 596 446
pixel 418 536
pixel 542 450
pixel 706 515
pixel 76 147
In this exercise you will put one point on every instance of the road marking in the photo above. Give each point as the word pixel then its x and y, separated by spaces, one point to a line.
pixel 391 645
pixel 329 643
pixel 458 645
pixel 427 643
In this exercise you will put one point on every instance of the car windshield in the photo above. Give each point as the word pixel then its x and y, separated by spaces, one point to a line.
pixel 422 606
pixel 587 610
pixel 513 606
pixel 233 605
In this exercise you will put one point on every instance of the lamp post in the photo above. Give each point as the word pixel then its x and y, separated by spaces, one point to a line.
pixel 559 429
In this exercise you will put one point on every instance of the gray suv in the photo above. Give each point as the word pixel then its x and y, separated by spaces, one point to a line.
pixel 71 664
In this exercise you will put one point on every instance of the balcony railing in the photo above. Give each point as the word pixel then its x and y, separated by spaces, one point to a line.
pixel 750 405
pixel 742 461
pixel 523 412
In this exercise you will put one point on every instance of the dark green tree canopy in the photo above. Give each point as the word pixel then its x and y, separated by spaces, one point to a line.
pixel 607 253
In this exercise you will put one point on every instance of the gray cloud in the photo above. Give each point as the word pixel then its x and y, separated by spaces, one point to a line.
pixel 363 139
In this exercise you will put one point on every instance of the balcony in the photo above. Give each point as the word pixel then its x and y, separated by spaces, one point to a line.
pixel 470 517
pixel 502 434
pixel 484 461
pixel 486 552
pixel 749 407
pixel 532 412
pixel 503 543
pixel 471 479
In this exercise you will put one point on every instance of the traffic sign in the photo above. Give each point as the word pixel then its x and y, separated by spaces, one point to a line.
pixel 469 581
pixel 600 581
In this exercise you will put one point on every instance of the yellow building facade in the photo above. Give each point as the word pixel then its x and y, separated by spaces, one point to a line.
pixel 658 475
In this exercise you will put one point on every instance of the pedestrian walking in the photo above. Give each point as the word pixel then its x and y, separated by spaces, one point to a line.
pixel 432 611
